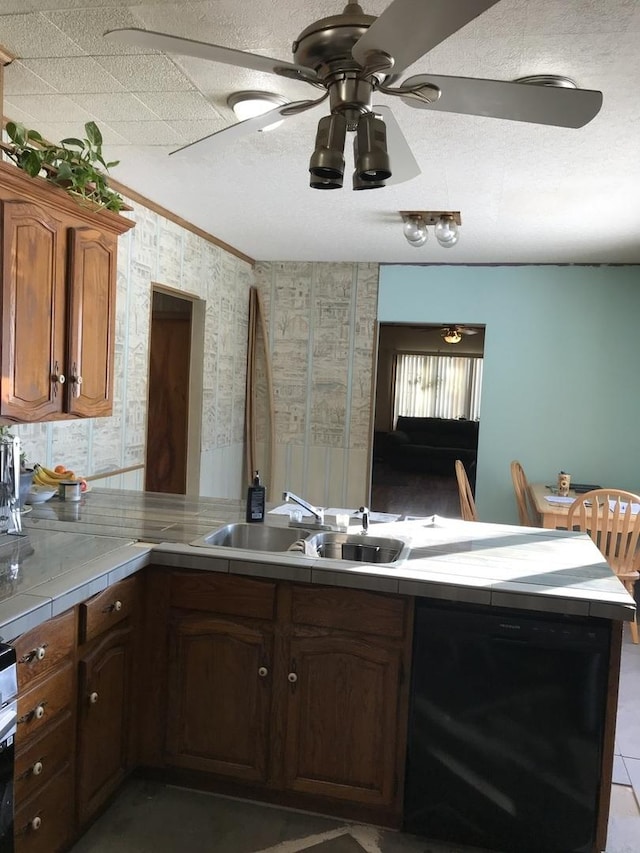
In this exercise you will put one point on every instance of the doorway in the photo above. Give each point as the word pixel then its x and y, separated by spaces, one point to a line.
pixel 171 425
pixel 419 482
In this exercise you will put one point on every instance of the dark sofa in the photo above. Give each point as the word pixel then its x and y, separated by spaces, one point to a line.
pixel 432 445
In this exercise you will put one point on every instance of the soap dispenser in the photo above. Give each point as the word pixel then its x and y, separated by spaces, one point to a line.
pixel 256 500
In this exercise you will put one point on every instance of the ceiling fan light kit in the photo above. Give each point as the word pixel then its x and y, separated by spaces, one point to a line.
pixel 350 56
pixel 251 103
pixel 445 226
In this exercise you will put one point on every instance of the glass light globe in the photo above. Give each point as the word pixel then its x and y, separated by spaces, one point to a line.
pixel 415 230
pixel 446 231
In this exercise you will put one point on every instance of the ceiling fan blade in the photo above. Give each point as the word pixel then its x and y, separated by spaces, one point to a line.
pixel 408 29
pixel 404 166
pixel 221 139
pixel 216 53
pixel 554 105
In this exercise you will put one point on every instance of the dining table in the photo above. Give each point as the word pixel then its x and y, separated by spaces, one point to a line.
pixel 552 507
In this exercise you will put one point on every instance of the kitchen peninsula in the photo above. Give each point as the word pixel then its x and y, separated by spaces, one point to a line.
pixel 223 668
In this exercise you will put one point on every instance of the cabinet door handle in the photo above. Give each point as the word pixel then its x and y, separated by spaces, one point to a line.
pixel 75 379
pixel 36 822
pixel 93 698
pixel 114 606
pixel 37 768
pixel 263 672
pixel 36 713
pixel 35 654
pixel 292 677
pixel 57 378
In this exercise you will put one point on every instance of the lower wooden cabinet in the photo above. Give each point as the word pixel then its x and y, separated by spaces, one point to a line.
pixel 342 719
pixel 104 707
pixel 311 701
pixel 220 696
pixel 44 824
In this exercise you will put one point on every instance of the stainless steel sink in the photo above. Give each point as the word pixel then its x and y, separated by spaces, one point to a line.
pixel 358 547
pixel 254 537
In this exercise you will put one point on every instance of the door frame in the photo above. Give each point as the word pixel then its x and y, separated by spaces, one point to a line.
pixel 196 375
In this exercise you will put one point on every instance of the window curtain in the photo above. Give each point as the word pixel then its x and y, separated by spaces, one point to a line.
pixel 437 386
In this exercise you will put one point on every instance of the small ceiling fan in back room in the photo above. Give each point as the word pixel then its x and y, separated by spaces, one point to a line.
pixel 453 333
pixel 350 57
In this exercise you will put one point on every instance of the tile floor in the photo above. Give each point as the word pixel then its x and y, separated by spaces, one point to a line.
pixel 203 823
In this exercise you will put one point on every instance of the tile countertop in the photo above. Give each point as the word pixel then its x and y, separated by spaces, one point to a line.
pixel 70 551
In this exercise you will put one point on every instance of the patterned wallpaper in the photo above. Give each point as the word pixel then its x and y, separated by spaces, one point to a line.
pixel 158 251
pixel 321 321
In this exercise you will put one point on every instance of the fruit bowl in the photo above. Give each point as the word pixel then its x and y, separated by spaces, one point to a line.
pixel 39 494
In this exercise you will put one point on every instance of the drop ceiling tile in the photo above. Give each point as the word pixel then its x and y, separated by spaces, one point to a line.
pixel 87 29
pixel 147 132
pixel 50 107
pixel 149 73
pixel 180 105
pixel 20 79
pixel 191 131
pixel 121 106
pixel 56 130
pixel 15 112
pixel 10 7
pixel 32 35
pixel 79 74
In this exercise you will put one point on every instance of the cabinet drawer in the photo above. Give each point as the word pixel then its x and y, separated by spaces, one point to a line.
pixel 44 824
pixel 42 759
pixel 39 705
pixel 107 608
pixel 217 593
pixel 349 610
pixel 40 650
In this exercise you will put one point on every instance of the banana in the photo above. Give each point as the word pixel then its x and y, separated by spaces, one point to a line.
pixel 52 475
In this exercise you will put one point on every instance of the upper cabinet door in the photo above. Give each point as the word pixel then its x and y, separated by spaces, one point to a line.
pixel 33 312
pixel 91 332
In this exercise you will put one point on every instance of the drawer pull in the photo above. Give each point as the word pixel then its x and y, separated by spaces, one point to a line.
pixel 36 713
pixel 93 698
pixel 35 654
pixel 263 672
pixel 37 768
pixel 36 823
pixel 292 677
pixel 116 606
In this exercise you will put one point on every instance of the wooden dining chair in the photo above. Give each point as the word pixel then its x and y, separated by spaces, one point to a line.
pixel 527 513
pixel 467 503
pixel 606 515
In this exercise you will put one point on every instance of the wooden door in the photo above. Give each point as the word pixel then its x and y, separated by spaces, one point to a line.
pixel 219 697
pixel 33 312
pixel 166 459
pixel 342 720
pixel 92 314
pixel 103 719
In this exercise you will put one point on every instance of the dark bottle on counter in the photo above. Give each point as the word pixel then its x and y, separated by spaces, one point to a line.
pixel 256 500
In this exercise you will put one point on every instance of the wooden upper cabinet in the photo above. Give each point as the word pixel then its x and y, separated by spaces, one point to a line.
pixel 58 294
pixel 92 314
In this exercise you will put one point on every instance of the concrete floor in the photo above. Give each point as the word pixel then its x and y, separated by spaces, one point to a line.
pixel 152 818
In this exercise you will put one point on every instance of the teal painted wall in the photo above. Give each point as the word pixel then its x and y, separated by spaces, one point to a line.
pixel 561 367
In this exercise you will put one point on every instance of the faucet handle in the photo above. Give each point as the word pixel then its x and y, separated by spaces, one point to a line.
pixel 365 518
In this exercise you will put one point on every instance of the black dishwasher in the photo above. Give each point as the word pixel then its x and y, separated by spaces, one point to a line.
pixel 506 728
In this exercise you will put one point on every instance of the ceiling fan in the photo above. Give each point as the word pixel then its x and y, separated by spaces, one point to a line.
pixel 352 55
pixel 453 334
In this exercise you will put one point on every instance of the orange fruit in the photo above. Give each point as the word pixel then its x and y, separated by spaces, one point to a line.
pixel 59 469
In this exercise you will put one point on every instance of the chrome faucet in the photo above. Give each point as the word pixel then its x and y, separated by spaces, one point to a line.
pixel 365 518
pixel 316 511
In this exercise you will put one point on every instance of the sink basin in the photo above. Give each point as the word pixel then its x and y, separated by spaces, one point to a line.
pixel 254 537
pixel 358 547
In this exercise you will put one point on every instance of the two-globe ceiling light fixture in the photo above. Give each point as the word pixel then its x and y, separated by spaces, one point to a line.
pixel 445 226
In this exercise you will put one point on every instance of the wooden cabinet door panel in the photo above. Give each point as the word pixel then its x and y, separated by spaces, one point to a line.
pixel 33 312
pixel 45 823
pixel 341 731
pixel 92 303
pixel 103 720
pixel 219 697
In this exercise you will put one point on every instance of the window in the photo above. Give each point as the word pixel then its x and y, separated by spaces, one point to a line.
pixel 439 386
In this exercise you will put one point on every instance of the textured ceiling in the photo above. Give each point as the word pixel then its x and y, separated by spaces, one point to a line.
pixel 527 193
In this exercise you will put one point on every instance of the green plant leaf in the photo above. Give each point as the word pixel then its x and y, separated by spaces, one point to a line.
pixel 93 133
pixel 32 163
pixel 72 141
pixel 112 163
pixel 34 135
